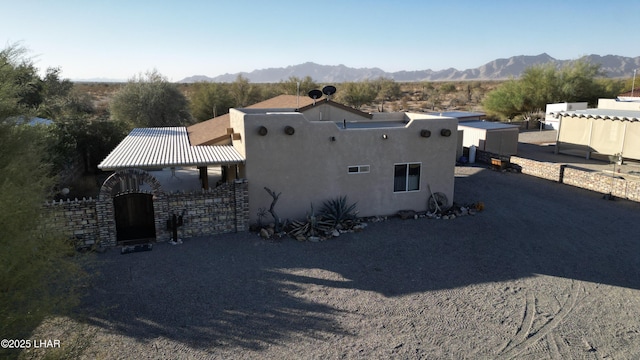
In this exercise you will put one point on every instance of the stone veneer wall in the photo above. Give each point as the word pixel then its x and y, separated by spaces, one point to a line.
pixel 219 210
pixel 223 209
pixel 545 170
pixel 626 188
pixel 73 219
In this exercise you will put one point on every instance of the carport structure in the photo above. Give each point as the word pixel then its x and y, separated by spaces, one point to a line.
pixel 132 204
pixel 169 147
pixel 600 131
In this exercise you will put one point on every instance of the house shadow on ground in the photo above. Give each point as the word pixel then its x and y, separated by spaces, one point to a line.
pixel 239 290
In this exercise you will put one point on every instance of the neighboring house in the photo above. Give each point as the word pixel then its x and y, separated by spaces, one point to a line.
pixel 612 128
pixel 384 162
pixel 551 122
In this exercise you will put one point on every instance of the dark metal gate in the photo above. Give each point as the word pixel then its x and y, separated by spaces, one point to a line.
pixel 134 216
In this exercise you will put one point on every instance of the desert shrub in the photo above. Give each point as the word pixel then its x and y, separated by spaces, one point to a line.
pixel 339 211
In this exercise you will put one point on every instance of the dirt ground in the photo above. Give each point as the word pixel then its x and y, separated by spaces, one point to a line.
pixel 546 271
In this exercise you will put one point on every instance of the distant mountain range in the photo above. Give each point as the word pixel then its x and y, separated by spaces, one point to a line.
pixel 612 66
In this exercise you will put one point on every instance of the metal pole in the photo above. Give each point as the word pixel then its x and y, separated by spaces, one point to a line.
pixel 633 84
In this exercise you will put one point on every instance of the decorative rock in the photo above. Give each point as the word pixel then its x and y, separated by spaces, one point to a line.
pixel 264 233
pixel 415 217
pixel 445 217
pixel 335 233
pixel 406 214
pixel 301 238
pixel 452 216
pixel 314 239
pixel 271 231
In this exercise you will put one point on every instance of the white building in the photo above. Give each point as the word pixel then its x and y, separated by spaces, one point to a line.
pixel 551 122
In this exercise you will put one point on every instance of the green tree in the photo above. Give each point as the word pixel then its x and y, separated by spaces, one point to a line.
pixel 150 100
pixel 209 100
pixel 357 94
pixel 19 83
pixel 60 99
pixel 506 101
pixel 84 140
pixel 544 84
pixel 39 275
pixel 243 92
pixel 387 90
pixel 295 84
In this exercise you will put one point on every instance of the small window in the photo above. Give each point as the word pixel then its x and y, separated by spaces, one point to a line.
pixel 358 169
pixel 406 177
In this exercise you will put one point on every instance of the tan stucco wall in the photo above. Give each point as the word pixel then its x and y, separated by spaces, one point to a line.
pixel 307 167
pixel 618 105
pixel 326 112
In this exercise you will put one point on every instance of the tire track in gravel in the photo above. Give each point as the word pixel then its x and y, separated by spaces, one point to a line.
pixel 527 322
pixel 523 340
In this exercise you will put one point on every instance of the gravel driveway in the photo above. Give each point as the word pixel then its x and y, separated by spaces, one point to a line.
pixel 546 271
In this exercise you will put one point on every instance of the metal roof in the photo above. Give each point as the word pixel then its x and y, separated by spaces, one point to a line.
pixel 607 114
pixel 487 125
pixel 166 147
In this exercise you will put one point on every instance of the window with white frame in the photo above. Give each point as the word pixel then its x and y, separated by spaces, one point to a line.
pixel 406 177
pixel 358 169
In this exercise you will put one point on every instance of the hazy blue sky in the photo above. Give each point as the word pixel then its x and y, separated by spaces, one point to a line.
pixel 119 39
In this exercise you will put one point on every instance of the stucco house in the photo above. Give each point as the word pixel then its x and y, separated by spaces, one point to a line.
pixel 385 162
pixel 308 150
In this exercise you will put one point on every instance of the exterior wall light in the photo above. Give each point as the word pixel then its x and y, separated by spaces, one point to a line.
pixel 262 131
pixel 289 130
pixel 445 132
pixel 385 137
pixel 425 133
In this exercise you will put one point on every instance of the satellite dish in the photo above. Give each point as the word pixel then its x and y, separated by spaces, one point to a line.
pixel 329 90
pixel 315 94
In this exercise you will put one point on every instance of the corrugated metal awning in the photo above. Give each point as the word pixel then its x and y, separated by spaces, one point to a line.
pixel 166 147
pixel 606 114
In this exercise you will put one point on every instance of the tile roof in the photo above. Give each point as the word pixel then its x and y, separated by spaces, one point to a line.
pixel 166 147
pixel 215 130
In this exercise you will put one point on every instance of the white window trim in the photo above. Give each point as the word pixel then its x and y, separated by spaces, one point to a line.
pixel 407 177
pixel 362 169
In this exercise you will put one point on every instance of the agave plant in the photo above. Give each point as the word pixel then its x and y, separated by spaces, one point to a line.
pixel 339 212
pixel 313 225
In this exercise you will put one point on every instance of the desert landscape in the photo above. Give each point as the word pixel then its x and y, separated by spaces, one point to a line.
pixel 546 271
